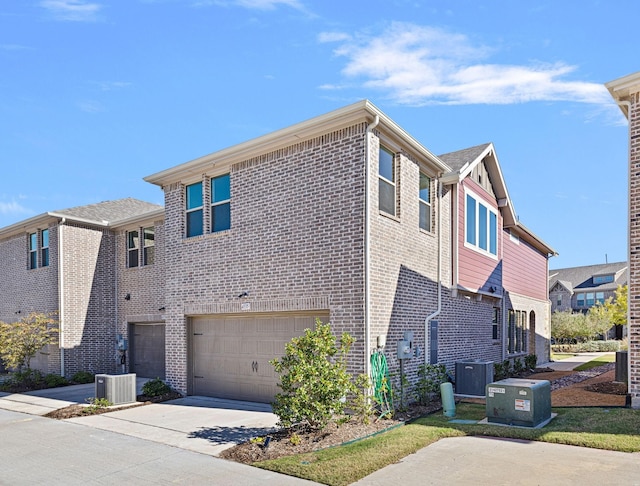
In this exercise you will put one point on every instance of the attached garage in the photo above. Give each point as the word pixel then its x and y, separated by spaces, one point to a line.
pixel 147 352
pixel 230 354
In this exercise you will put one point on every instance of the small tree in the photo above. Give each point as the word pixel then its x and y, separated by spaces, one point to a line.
pixel 20 341
pixel 314 378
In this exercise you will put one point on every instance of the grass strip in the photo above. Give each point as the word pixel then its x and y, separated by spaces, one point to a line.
pixel 561 356
pixel 616 429
pixel 602 360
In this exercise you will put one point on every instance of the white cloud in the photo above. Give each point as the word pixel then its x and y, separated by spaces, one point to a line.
pixel 111 85
pixel 333 37
pixel 12 208
pixel 418 65
pixel 72 10
pixel 90 106
pixel 251 4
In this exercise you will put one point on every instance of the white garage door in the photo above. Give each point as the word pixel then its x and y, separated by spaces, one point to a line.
pixel 230 354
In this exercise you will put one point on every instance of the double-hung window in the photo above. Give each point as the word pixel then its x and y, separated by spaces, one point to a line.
pixel 590 298
pixel 148 250
pixel 220 203
pixel 495 322
pixel 600 297
pixel 44 251
pixel 33 250
pixel 194 209
pixel 580 300
pixel 481 225
pixel 133 246
pixel 386 182
pixel 425 202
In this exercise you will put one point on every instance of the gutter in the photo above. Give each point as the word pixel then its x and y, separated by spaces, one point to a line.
pixel 367 248
pixel 439 279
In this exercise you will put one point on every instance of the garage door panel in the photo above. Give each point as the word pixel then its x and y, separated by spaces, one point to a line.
pixel 231 354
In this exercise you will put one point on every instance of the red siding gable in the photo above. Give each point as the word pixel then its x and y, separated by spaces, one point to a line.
pixel 525 269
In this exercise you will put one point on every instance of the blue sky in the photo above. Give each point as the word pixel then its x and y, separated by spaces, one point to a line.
pixel 97 94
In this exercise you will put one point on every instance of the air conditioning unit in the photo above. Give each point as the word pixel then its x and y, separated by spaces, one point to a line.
pixel 525 403
pixel 472 376
pixel 118 389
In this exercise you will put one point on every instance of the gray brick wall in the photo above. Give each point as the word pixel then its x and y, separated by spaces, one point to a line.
pixel 634 254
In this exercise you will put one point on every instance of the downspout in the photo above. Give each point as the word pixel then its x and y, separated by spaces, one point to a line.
pixel 628 105
pixel 439 278
pixel 61 294
pixel 367 249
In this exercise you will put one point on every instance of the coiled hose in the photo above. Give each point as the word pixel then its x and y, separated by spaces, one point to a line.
pixel 381 383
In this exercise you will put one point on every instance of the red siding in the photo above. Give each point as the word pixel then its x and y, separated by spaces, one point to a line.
pixel 477 271
pixel 525 269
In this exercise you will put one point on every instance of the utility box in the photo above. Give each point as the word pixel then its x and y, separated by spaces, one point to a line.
pixel 118 389
pixel 472 377
pixel 622 367
pixel 514 401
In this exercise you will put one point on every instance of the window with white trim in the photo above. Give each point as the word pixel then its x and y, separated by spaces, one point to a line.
pixel 590 299
pixel 601 279
pixel 425 202
pixel 600 297
pixel 44 250
pixel 194 209
pixel 220 203
pixel 133 247
pixel 148 246
pixel 481 225
pixel 33 251
pixel 386 182
pixel 580 300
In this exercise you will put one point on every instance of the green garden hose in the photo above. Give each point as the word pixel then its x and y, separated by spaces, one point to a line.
pixel 381 383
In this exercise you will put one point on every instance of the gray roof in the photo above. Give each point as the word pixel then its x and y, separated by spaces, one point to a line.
pixel 110 212
pixel 581 278
pixel 457 160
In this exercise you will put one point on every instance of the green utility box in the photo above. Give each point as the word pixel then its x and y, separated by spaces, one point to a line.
pixel 514 401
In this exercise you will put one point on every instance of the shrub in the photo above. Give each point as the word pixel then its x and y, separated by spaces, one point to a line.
pixel 587 347
pixel 502 370
pixel 313 378
pixel 531 361
pixel 361 403
pixel 82 377
pixel 20 341
pixel 430 377
pixel 96 405
pixel 52 380
pixel 28 378
pixel 518 367
pixel 155 388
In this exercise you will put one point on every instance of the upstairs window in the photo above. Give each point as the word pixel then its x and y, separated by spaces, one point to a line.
pixel 559 300
pixel 386 182
pixel 133 246
pixel 44 251
pixel 425 202
pixel 600 297
pixel 481 225
pixel 602 279
pixel 194 209
pixel 33 250
pixel 149 242
pixel 220 203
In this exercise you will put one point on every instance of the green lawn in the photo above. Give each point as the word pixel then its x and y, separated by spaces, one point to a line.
pixel 616 429
pixel 561 356
pixel 602 360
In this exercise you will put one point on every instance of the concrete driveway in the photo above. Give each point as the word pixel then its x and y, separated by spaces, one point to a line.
pixel 198 424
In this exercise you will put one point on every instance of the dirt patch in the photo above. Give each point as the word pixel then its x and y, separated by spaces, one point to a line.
pixel 83 410
pixel 599 391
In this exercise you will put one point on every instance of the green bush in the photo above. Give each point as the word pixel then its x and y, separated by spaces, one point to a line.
pixel 587 347
pixel 313 378
pixel 155 388
pixel 502 370
pixel 531 361
pixel 96 405
pixel 361 402
pixel 52 380
pixel 430 377
pixel 82 377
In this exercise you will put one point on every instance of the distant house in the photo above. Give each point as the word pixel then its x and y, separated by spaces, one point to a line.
pixel 579 288
pixel 344 217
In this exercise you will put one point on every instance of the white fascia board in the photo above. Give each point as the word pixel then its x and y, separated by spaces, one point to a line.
pixel 26 226
pixel 151 216
pixel 621 88
pixel 363 111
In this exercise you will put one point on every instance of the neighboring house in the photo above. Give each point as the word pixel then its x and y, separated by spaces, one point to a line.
pixel 626 92
pixel 577 289
pixel 344 217
pixel 347 218
pixel 65 261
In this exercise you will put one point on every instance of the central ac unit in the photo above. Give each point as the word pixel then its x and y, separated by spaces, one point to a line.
pixel 117 389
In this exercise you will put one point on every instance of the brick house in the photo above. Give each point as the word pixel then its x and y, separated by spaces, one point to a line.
pixel 579 288
pixel 348 218
pixel 65 261
pixel 344 217
pixel 626 92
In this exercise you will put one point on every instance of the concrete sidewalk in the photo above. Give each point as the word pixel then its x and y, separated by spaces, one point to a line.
pixel 199 424
pixel 573 362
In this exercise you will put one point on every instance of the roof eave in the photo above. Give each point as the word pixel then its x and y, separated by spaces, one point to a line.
pixel 621 88
pixel 154 215
pixel 361 111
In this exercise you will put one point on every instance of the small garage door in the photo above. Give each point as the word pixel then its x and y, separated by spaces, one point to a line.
pixel 147 350
pixel 230 354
